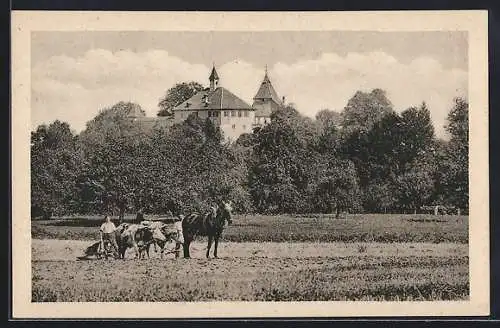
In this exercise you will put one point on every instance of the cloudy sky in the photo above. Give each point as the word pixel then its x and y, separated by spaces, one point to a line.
pixel 75 74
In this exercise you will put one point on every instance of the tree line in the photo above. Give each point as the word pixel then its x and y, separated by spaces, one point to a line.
pixel 367 158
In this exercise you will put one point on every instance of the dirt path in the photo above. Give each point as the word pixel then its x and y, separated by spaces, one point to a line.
pixel 69 250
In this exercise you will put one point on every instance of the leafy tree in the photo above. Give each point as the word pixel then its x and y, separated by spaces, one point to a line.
pixel 458 123
pixel 379 196
pixel 176 95
pixel 365 109
pixel 278 178
pixel 197 168
pixel 375 153
pixel 112 121
pixel 370 136
pixel 114 165
pixel 337 186
pixel 415 186
pixel 384 145
pixel 369 155
pixel 328 118
pixel 418 133
pixel 306 129
pixel 455 167
pixel 392 142
pixel 55 164
pixel 328 139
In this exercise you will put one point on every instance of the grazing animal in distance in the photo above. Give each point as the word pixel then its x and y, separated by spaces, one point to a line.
pixel 210 224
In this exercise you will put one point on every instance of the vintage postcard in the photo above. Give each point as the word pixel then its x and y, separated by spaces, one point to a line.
pixel 249 164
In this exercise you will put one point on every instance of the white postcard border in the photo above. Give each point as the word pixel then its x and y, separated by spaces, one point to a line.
pixel 475 22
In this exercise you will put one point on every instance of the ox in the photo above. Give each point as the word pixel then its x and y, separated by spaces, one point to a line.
pixel 137 236
pixel 162 234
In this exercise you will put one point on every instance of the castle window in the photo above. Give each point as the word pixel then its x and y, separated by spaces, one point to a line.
pixel 246 113
pixel 239 113
pixel 226 113
pixel 209 114
pixel 233 113
pixel 216 114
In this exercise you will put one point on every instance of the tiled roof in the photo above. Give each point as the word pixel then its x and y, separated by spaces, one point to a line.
pixel 220 98
pixel 266 91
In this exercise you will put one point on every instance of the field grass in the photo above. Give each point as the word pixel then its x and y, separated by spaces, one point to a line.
pixel 286 228
pixel 392 278
pixel 266 258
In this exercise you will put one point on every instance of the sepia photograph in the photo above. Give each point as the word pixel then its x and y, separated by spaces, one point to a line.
pixel 243 161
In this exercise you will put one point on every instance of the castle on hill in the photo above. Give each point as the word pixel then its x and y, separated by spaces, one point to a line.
pixel 227 111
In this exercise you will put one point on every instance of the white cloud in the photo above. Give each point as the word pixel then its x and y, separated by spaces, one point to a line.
pixel 74 89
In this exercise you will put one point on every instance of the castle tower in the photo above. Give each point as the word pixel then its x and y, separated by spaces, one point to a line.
pixel 265 102
pixel 214 79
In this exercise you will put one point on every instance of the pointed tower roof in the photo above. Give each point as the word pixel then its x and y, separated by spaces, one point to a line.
pixel 266 90
pixel 213 75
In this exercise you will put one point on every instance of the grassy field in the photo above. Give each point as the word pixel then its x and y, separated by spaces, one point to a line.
pixel 267 258
pixel 253 279
pixel 354 228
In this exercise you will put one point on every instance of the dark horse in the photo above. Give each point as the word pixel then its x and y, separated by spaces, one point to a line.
pixel 210 224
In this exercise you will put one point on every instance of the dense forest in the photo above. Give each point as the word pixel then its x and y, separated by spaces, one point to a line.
pixel 368 158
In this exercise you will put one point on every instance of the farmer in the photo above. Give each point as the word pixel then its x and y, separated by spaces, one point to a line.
pixel 107 232
pixel 179 240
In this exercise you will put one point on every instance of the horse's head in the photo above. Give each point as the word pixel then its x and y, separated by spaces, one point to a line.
pixel 226 209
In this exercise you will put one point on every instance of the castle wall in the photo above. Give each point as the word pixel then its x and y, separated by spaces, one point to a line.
pixel 232 122
pixel 236 122
pixel 261 120
pixel 263 107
